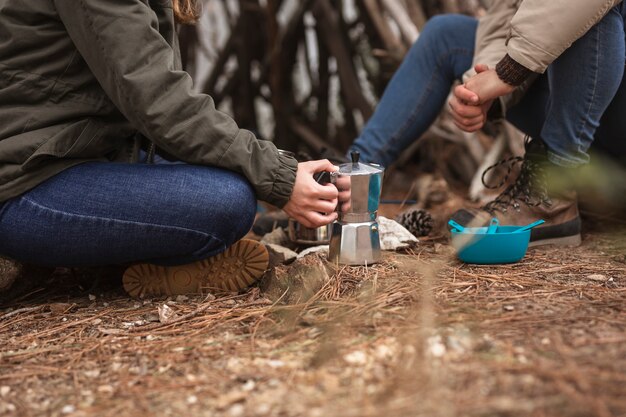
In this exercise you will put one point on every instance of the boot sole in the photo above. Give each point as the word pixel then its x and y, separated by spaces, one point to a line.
pixel 570 241
pixel 233 270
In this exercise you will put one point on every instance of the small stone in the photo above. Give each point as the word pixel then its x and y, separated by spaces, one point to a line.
pixel 356 358
pixel 436 348
pixel 59 308
pixel 192 399
pixel 280 255
pixel 249 385
pixel 236 410
pixel 4 390
pixel 275 363
pixel 276 237
pixel 68 409
pixel 166 314
pixel 96 322
pixel 597 277
pixel 263 409
pixel 94 373
pixel 92 297
pixel 105 389
pixel 181 298
pixel 508 308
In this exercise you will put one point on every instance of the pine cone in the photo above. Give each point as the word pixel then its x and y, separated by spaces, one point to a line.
pixel 417 221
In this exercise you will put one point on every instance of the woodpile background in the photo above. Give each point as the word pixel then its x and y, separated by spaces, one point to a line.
pixel 308 74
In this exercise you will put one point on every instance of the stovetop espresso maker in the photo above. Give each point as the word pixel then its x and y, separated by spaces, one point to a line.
pixel 354 236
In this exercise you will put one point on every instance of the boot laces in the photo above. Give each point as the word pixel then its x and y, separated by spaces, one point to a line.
pixel 530 187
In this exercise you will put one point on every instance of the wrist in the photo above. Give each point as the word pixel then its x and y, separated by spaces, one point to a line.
pixel 512 72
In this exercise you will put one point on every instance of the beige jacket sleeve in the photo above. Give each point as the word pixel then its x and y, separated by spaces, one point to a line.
pixel 542 30
pixel 492 33
pixel 491 44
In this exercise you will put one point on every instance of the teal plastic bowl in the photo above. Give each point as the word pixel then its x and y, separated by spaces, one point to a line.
pixel 475 246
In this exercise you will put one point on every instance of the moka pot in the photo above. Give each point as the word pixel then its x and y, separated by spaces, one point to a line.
pixel 354 238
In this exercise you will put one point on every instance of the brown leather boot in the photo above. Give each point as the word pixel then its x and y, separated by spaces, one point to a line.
pixel 17 279
pixel 10 270
pixel 542 190
pixel 234 270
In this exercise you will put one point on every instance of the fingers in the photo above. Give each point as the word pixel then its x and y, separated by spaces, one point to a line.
pixel 319 166
pixel 313 219
pixel 464 110
pixel 326 192
pixel 463 94
pixel 469 128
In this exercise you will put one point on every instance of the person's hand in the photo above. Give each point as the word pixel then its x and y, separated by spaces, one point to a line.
pixel 486 84
pixel 312 204
pixel 467 116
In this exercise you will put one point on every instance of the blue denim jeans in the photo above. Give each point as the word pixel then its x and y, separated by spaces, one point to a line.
pixel 565 107
pixel 114 213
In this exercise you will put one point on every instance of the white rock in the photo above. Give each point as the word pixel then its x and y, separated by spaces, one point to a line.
pixel 274 363
pixel 357 357
pixel 393 235
pixel 4 390
pixel 166 314
pixel 236 410
pixel 249 385
pixel 436 348
pixel 192 399
pixel 93 373
pixel 314 249
pixel 68 409
pixel 597 277
pixel 287 253
pixel 276 237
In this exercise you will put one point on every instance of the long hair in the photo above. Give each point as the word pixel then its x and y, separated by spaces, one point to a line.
pixel 186 11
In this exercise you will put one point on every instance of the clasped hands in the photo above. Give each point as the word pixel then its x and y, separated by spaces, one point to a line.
pixel 471 101
pixel 313 204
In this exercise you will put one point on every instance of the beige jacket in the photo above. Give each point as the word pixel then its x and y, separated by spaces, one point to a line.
pixel 533 32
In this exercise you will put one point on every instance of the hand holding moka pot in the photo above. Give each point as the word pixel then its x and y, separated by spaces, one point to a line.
pixel 354 236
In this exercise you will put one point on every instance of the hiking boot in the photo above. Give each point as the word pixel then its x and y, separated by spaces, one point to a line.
pixel 10 270
pixel 542 190
pixel 18 280
pixel 233 270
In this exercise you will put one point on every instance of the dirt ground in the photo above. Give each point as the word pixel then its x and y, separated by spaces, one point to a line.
pixel 420 334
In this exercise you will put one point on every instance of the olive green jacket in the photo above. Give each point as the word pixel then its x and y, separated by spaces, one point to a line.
pixel 533 32
pixel 85 80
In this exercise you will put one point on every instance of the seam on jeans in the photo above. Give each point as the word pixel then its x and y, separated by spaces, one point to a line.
pixel 396 136
pixel 561 161
pixel 585 119
pixel 204 234
pixel 3 207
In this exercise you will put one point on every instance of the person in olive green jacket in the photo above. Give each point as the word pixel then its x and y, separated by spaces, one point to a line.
pixel 91 93
pixel 555 69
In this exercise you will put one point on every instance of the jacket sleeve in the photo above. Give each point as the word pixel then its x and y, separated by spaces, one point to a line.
pixel 543 29
pixel 120 42
pixel 491 38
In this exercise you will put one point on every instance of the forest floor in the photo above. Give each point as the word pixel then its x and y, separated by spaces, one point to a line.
pixel 420 334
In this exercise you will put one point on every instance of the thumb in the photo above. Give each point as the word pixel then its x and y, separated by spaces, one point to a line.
pixel 481 68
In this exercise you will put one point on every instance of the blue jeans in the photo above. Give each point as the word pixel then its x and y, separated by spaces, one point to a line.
pixel 101 213
pixel 564 107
